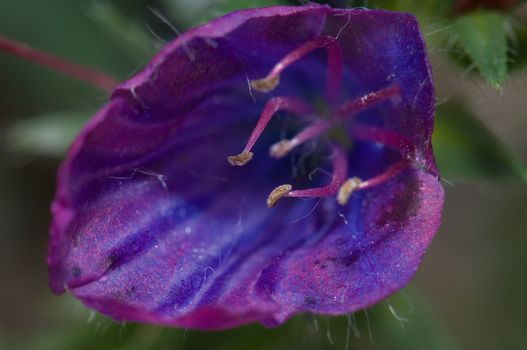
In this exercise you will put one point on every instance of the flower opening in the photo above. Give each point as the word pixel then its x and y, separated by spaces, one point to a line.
pixel 319 125
pixel 152 224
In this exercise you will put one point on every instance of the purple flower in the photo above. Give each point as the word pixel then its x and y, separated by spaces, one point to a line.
pixel 151 223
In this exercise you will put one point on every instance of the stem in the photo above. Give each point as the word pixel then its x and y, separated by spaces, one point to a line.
pixel 92 77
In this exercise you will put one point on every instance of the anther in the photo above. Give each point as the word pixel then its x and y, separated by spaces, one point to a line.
pixel 281 148
pixel 347 189
pixel 240 159
pixel 266 84
pixel 277 193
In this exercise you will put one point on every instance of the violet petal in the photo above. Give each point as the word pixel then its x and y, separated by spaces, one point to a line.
pixel 151 224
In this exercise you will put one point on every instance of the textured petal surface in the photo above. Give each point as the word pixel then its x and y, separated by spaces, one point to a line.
pixel 151 224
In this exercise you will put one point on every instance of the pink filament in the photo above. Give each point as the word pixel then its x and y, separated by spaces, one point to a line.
pixel 57 64
pixel 312 131
pixel 365 101
pixel 363 132
pixel 272 106
pixel 352 107
pixel 335 63
pixel 391 172
pixel 340 173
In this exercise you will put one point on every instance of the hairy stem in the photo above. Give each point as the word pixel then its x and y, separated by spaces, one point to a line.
pixel 90 76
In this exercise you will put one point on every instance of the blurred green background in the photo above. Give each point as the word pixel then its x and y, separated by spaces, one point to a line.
pixel 470 292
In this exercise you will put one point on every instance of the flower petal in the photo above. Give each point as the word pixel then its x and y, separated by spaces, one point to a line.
pixel 372 251
pixel 384 48
pixel 151 223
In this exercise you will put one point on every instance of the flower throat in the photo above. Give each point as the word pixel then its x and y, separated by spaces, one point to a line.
pixel 341 186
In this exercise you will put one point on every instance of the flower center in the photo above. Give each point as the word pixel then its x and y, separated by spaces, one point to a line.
pixel 341 186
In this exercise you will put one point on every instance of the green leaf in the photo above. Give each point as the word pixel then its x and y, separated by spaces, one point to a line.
pixel 519 56
pixel 45 135
pixel 483 37
pixel 466 149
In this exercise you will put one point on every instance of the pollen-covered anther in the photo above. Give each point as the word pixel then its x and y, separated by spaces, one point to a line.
pixel 267 84
pixel 240 159
pixel 347 189
pixel 277 193
pixel 281 148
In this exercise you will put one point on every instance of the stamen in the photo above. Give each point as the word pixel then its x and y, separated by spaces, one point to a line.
pixel 347 189
pixel 366 101
pixel 340 171
pixel 272 106
pixel 283 147
pixel 240 159
pixel 278 193
pixel 91 76
pixel 356 184
pixel 335 66
pixel 363 132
